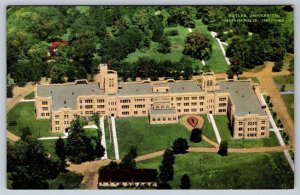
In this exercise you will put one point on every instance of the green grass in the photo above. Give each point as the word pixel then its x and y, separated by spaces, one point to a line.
pixel 49 146
pixel 29 96
pixel 289 103
pixel 256 68
pixel 236 171
pixel 287 80
pixel 207 129
pixel 109 141
pixel 69 180
pixel 23 114
pixel 253 79
pixel 217 61
pixel 137 131
pixel 222 124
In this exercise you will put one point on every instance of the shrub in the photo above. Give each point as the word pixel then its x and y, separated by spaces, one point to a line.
pixel 172 32
pixel 180 146
pixel 196 135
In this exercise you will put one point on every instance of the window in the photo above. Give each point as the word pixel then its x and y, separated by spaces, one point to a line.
pixel 44 103
pixel 111 83
pixel 178 99
pixel 201 109
pixel 222 99
pixel 139 106
pixel 201 103
pixel 56 122
pixel 43 114
pixel 88 106
pixel 144 112
pixel 80 107
pixel 222 110
pixel 194 103
pixel 186 110
pixel 193 110
pixel 262 133
pixel 57 128
pixel 240 123
pixel 66 116
pixel 100 101
pixel 222 104
pixel 178 104
pixel 201 97
pixel 178 110
pixel 186 104
pixel 135 112
pixel 194 98
pixel 125 101
pixel 45 108
pixel 125 113
pixel 240 134
pixel 158 119
pixel 153 119
pixel 100 106
pixel 174 118
pixel 47 114
pixel 125 107
pixel 240 129
pixel 56 116
pixel 169 118
pixel 186 98
pixel 88 101
pixel 263 122
pixel 88 112
pixel 80 101
pixel 139 100
pixel 263 128
pixel 164 118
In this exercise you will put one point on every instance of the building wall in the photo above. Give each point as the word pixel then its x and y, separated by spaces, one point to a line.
pixel 163 119
pixel 43 107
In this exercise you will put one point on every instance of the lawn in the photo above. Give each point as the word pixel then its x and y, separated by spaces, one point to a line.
pixel 29 96
pixel 222 124
pixel 137 131
pixel 24 116
pixel 207 129
pixel 68 180
pixel 217 61
pixel 253 79
pixel 109 141
pixel 287 80
pixel 289 103
pixel 236 171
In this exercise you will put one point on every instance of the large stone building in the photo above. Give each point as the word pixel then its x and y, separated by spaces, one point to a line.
pixel 161 101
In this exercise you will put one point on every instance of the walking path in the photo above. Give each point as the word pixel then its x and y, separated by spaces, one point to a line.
pixel 27 100
pixel 268 85
pixel 12 136
pixel 115 139
pixel 103 139
pixel 286 92
pixel 214 34
pixel 279 137
pixel 212 120
pixel 211 142
pixel 50 138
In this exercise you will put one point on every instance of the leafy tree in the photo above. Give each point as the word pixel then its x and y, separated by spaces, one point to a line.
pixel 11 161
pixel 60 151
pixel 57 74
pixel 198 46
pixel 291 66
pixel 99 149
pixel 166 167
pixel 180 146
pixel 235 67
pixel 223 149
pixel 157 27
pixel 278 66
pixel 185 182
pixel 163 185
pixel 9 91
pixel 77 137
pixel 196 135
pixel 128 161
pixel 164 45
pixel 33 168
pixel 282 88
pixel 268 99
pixel 26 133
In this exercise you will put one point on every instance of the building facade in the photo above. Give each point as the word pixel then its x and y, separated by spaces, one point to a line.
pixel 161 101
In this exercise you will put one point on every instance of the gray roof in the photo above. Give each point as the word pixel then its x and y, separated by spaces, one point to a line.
pixel 65 95
pixel 243 97
pixel 162 111
pixel 135 88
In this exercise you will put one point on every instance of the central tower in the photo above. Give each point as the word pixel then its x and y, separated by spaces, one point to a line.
pixel 107 79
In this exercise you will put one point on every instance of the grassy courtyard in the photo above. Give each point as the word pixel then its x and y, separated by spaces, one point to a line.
pixel 137 131
pixel 22 115
pixel 287 80
pixel 289 103
pixel 235 171
pixel 217 61
pixel 29 96
pixel 222 124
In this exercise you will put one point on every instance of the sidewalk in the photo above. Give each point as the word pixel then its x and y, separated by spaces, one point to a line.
pixel 212 120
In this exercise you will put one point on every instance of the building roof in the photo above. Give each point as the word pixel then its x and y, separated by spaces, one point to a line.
pixel 135 88
pixel 64 95
pixel 127 175
pixel 243 97
pixel 162 111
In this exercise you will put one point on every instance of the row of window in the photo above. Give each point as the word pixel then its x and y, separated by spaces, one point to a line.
pixel 164 119
pixel 45 114
pixel 252 123
pixel 252 129
pixel 188 98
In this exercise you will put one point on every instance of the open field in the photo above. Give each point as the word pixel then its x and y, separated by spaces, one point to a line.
pixel 222 124
pixel 217 61
pixel 68 180
pixel 253 79
pixel 29 96
pixel 22 115
pixel 137 131
pixel 235 171
pixel 289 103
pixel 287 80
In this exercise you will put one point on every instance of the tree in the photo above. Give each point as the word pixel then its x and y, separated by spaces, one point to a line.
pixel 164 45
pixel 33 168
pixel 57 74
pixel 166 167
pixel 196 135
pixel 157 27
pixel 9 91
pixel 291 66
pixel 77 137
pixel 223 149
pixel 185 182
pixel 235 67
pixel 61 153
pixel 268 99
pixel 26 133
pixel 282 88
pixel 198 46
pixel 99 149
pixel 128 161
pixel 278 66
pixel 11 161
pixel 180 146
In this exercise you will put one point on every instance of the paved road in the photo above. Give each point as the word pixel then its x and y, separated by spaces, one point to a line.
pixel 215 128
